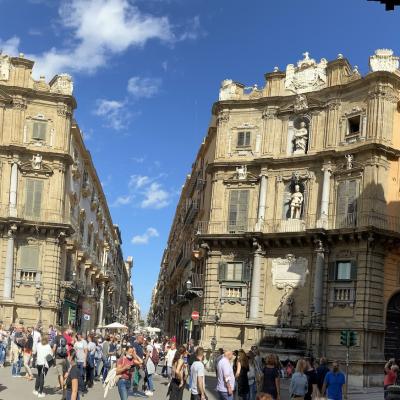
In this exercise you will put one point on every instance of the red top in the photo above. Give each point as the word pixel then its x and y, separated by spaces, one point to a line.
pixel 123 362
pixel 68 339
pixel 390 378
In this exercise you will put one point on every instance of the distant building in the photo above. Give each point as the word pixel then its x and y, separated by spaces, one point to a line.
pixel 288 227
pixel 61 255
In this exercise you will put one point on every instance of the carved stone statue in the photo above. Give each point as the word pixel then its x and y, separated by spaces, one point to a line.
pixel 285 318
pixel 241 172
pixel 296 203
pixel 349 159
pixel 37 161
pixel 300 139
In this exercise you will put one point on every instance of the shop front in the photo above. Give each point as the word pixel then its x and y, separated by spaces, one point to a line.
pixel 69 309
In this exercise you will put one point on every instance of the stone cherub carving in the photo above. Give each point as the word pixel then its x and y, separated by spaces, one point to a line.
pixel 37 161
pixel 349 159
pixel 296 203
pixel 300 139
pixel 285 317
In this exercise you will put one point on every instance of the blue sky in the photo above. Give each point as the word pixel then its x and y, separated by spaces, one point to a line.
pixel 146 73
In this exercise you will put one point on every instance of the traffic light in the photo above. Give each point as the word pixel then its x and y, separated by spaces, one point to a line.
pixel 186 324
pixel 352 338
pixel 344 336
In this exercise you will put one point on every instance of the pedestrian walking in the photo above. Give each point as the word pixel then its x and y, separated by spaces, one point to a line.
pixel 177 384
pixel 197 373
pixel 17 343
pixel 98 358
pixel 60 351
pixel 3 345
pixel 299 383
pixel 71 376
pixel 391 374
pixel 334 382
pixel 322 370
pixel 125 367
pixel 150 362
pixel 271 380
pixel 27 354
pixel 311 374
pixel 252 376
pixel 225 377
pixel 80 347
pixel 170 358
pixel 241 375
pixel 91 353
pixel 43 351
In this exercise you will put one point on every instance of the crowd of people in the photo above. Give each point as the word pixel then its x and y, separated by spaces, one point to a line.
pixel 130 362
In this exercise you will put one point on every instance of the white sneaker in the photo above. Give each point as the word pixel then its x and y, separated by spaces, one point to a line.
pixel 35 392
pixel 148 393
pixel 41 395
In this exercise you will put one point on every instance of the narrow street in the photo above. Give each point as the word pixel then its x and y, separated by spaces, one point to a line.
pixel 16 389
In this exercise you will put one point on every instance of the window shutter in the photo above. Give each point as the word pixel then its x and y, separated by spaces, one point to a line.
pixel 247 140
pixel 39 130
pixel 342 198
pixel 29 197
pixel 233 205
pixel 353 274
pixel 246 272
pixel 222 270
pixel 332 270
pixel 241 139
pixel 243 202
pixel 29 258
pixel 37 199
pixel 351 196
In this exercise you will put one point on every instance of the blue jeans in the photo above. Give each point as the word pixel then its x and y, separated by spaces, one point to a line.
pixel 16 367
pixel 2 354
pixel 68 395
pixel 123 387
pixel 150 382
pixel 225 396
pixel 253 391
pixel 81 382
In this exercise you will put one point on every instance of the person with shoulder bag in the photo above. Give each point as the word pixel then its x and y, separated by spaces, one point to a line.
pixel 71 376
pixel 299 383
pixel 44 358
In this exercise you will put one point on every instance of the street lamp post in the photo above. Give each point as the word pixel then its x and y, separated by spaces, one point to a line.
pixel 213 341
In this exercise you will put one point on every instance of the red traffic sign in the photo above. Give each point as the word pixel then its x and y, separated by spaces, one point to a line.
pixel 195 315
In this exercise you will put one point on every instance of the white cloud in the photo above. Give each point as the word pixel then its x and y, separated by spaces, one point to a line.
pixel 10 46
pixel 164 65
pixel 138 181
pixel 114 112
pixel 143 87
pixel 122 201
pixel 139 160
pixel 155 197
pixel 145 237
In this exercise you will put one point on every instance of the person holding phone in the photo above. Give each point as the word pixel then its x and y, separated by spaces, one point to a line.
pixel 125 367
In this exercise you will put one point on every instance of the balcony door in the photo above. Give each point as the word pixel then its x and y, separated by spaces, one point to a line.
pixel 346 210
pixel 392 332
pixel 238 211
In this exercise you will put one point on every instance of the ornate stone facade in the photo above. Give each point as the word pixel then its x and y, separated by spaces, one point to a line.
pixel 296 245
pixel 61 259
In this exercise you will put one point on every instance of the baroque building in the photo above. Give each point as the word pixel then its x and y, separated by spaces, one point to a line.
pixel 287 229
pixel 61 256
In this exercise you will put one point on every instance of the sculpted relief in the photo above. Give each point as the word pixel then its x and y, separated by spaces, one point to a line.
pixel 384 60
pixel 5 66
pixel 289 272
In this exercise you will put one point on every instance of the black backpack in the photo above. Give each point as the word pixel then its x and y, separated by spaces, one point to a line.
pixel 61 347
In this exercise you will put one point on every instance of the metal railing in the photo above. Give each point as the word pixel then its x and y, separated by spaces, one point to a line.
pixel 346 221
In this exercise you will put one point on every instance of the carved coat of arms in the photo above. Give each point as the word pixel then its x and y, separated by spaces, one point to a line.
pixel 307 76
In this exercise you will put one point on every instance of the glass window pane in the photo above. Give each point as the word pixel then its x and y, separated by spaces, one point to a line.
pixel 230 272
pixel 343 270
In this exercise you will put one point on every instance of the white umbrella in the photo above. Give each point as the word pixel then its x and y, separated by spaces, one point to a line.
pixel 116 325
pixel 150 329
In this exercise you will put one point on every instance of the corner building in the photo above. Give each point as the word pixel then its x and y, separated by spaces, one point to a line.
pixel 61 260
pixel 287 230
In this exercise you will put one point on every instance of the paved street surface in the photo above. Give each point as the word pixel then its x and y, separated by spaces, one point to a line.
pixel 20 388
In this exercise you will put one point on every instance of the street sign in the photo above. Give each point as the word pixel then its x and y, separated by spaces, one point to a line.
pixel 195 315
pixel 86 317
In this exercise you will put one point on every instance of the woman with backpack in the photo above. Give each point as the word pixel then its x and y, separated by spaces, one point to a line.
pixel 151 360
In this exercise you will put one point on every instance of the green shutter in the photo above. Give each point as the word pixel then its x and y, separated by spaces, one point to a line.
pixel 29 197
pixel 247 139
pixel 342 199
pixel 29 258
pixel 242 209
pixel 222 270
pixel 246 272
pixel 332 270
pixel 351 196
pixel 353 273
pixel 241 139
pixel 37 199
pixel 39 130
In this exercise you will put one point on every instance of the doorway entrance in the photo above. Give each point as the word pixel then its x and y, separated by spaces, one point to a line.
pixel 392 334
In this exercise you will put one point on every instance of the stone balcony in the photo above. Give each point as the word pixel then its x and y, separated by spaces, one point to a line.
pixel 310 222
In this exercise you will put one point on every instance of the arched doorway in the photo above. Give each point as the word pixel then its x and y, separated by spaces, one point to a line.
pixel 392 334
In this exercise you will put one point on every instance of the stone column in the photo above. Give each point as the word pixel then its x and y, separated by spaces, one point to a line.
pixel 9 270
pixel 255 282
pixel 325 194
pixel 13 189
pixel 262 202
pixel 319 279
pixel 101 305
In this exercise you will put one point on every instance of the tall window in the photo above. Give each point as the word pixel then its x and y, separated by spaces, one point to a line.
pixel 29 258
pixel 347 193
pixel 39 131
pixel 243 139
pixel 238 210
pixel 33 197
pixel 68 267
pixel 234 271
pixel 343 270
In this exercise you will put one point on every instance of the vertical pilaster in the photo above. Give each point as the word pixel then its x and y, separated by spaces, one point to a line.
pixel 255 282
pixel 319 279
pixel 327 169
pixel 9 270
pixel 13 189
pixel 101 305
pixel 262 201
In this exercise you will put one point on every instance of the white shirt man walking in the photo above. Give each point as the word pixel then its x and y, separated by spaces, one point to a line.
pixel 198 387
pixel 226 377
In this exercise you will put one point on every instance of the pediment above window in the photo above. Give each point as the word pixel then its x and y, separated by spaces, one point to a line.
pixel 36 167
pixel 241 175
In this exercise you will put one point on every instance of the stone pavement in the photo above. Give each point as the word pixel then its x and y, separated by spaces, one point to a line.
pixel 20 388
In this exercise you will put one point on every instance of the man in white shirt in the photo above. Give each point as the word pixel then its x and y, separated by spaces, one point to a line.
pixel 170 358
pixel 198 391
pixel 80 347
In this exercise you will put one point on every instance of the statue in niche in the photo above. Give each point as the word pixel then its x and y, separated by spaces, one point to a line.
pixel 296 203
pixel 286 312
pixel 349 159
pixel 37 161
pixel 300 139
pixel 241 172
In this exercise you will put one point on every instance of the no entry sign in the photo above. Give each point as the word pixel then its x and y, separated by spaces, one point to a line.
pixel 195 315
